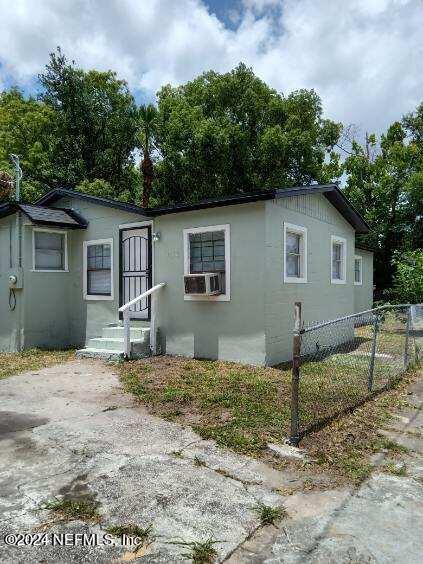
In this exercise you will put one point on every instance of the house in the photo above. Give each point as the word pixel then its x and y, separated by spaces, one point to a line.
pixel 69 262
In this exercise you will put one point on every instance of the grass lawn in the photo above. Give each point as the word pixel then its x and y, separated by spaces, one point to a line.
pixel 240 407
pixel 32 359
pixel 243 407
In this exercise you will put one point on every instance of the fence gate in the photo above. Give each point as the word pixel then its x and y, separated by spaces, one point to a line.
pixel 135 266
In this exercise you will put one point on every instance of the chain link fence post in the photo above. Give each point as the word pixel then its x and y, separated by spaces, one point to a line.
pixel 294 438
pixel 373 353
pixel 407 339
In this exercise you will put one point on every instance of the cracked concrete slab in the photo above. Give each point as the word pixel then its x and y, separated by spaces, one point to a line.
pixel 380 522
pixel 70 429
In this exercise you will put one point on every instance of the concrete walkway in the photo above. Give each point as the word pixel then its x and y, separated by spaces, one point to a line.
pixel 69 431
pixel 380 522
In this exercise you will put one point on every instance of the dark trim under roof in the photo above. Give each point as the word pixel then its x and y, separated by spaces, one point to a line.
pixel 331 192
pixel 44 216
pixel 214 202
pixel 57 193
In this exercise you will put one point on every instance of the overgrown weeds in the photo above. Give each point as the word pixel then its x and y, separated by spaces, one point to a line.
pixel 85 509
pixel 143 534
pixel 268 514
pixel 200 552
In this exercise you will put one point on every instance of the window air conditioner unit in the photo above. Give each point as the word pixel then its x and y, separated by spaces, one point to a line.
pixel 206 284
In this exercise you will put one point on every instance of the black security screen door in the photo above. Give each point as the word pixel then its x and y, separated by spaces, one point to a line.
pixel 136 269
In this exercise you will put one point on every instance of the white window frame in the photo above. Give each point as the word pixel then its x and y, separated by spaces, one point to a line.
pixel 227 233
pixel 97 297
pixel 45 230
pixel 297 230
pixel 360 259
pixel 340 241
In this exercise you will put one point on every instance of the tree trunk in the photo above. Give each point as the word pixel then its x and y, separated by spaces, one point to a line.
pixel 148 174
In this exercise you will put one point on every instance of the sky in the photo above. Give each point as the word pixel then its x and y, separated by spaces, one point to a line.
pixel 363 57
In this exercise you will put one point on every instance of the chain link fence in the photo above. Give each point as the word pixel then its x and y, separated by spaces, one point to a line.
pixel 339 364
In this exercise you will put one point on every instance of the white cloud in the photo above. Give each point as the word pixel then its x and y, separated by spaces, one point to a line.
pixel 364 57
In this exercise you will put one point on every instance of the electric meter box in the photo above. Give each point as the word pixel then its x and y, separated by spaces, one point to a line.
pixel 16 279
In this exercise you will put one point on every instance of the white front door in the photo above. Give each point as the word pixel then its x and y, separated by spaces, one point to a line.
pixel 136 269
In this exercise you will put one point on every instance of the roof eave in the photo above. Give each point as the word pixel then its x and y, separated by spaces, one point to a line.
pixel 58 193
pixel 331 191
pixel 213 203
pixel 7 209
pixel 347 210
pixel 58 224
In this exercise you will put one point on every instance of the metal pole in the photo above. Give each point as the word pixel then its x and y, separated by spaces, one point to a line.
pixel 294 439
pixel 407 339
pixel 372 358
pixel 18 176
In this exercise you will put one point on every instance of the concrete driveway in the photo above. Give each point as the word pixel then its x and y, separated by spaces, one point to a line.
pixel 69 431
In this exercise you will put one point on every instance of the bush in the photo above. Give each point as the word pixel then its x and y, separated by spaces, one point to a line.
pixel 408 278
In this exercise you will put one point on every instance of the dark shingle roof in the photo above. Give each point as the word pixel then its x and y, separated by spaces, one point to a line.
pixel 41 215
pixel 51 215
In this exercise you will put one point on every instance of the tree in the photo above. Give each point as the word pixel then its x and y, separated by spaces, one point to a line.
pixel 226 133
pixel 385 183
pixel 27 129
pixel 147 115
pixel 6 186
pixel 408 277
pixel 96 124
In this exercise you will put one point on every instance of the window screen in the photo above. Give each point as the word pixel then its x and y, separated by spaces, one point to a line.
pixel 207 252
pixel 99 274
pixel 357 271
pixel 49 251
pixel 293 254
pixel 337 261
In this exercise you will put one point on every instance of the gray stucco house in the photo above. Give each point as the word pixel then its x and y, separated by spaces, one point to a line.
pixel 225 273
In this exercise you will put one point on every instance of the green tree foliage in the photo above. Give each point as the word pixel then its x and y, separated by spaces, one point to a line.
pixel 96 124
pixel 103 189
pixel 226 133
pixel 386 185
pixel 408 277
pixel 146 136
pixel 27 129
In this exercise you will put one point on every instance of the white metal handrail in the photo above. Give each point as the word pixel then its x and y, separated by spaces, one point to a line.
pixel 125 310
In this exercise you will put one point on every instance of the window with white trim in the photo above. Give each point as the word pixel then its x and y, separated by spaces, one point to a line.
pixel 98 269
pixel 358 270
pixel 50 250
pixel 207 249
pixel 338 260
pixel 295 253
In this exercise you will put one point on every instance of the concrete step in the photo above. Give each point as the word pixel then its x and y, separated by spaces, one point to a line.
pixel 117 332
pixel 137 351
pixel 102 354
pixel 113 343
pixel 134 323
